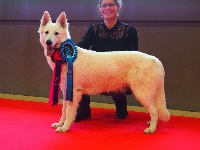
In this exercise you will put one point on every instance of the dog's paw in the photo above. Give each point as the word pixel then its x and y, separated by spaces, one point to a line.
pixel 149 130
pixel 56 125
pixel 61 129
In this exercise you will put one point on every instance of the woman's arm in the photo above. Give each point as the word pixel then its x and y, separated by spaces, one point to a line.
pixel 86 40
pixel 132 41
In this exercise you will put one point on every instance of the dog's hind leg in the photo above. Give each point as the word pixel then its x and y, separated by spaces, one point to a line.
pixel 154 119
pixel 148 103
pixel 145 96
pixel 153 111
pixel 70 111
pixel 63 117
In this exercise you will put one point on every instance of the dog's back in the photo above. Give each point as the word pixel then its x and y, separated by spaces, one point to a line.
pixel 114 70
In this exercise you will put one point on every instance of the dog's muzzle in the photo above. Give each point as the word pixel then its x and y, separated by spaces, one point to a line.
pixel 50 48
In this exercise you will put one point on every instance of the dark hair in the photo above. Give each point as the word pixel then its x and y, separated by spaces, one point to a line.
pixel 118 2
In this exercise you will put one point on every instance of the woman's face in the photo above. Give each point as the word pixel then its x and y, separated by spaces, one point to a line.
pixel 109 9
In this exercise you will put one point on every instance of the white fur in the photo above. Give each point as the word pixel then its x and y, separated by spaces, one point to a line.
pixel 97 72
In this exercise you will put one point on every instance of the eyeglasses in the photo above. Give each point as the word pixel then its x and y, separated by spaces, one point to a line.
pixel 109 5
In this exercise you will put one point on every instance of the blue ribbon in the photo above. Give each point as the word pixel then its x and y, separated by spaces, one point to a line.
pixel 69 90
pixel 69 55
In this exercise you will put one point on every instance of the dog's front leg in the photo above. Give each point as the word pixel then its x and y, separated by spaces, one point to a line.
pixel 63 117
pixel 71 111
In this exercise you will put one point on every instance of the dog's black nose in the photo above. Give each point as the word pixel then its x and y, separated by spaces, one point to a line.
pixel 48 42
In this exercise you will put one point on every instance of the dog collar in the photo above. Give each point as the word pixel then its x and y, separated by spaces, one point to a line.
pixel 67 53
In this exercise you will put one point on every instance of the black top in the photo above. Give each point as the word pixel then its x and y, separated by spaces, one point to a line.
pixel 119 38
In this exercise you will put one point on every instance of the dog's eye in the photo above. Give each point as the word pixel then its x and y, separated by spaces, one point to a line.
pixel 56 33
pixel 47 32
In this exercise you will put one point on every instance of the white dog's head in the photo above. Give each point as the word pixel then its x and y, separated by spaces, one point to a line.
pixel 53 34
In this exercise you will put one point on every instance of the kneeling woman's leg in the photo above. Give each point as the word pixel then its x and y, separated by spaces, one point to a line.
pixel 83 111
pixel 121 105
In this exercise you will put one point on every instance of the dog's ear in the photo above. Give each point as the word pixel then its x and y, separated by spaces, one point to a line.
pixel 62 20
pixel 45 19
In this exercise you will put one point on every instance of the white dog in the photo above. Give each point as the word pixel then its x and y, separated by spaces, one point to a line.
pixel 98 72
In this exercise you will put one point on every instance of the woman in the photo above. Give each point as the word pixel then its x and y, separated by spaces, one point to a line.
pixel 109 35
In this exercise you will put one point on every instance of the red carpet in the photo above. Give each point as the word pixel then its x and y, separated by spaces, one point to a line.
pixel 26 126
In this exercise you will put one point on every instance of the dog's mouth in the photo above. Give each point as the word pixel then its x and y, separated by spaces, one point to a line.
pixel 50 50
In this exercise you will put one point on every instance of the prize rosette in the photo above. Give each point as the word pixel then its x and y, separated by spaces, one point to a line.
pixel 67 54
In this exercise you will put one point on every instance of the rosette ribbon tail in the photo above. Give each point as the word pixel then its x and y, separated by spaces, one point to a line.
pixel 54 93
pixel 69 89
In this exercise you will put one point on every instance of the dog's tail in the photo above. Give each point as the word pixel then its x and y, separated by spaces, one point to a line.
pixel 163 113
